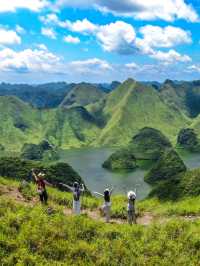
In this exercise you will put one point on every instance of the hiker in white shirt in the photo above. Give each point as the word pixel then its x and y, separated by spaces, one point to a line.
pixel 131 216
pixel 107 202
pixel 76 190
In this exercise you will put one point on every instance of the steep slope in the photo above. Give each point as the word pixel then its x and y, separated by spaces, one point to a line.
pixel 184 95
pixel 74 127
pixel 19 123
pixel 133 106
pixel 82 94
pixel 48 95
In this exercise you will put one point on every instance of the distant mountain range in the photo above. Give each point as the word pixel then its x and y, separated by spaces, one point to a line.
pixel 76 115
pixel 50 95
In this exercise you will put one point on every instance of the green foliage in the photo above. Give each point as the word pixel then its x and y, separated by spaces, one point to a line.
pixel 31 152
pixel 133 106
pixel 43 151
pixel 182 185
pixel 187 139
pixel 55 173
pixel 2 148
pixel 143 150
pixel 149 143
pixel 60 240
pixel 190 183
pixel 82 94
pixel 122 159
pixel 166 168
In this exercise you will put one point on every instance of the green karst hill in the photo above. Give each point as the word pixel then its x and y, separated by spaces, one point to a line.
pixel 187 139
pixel 90 117
pixel 132 106
pixel 42 151
pixel 121 160
pixel 146 146
pixel 167 166
pixel 82 94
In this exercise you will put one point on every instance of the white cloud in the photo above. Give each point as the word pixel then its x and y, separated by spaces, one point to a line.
pixel 20 30
pixel 49 32
pixel 170 57
pixel 194 68
pixel 155 36
pixel 117 37
pixel 114 37
pixel 71 39
pixel 84 26
pixel 132 66
pixel 93 65
pixel 168 10
pixel 13 5
pixel 53 19
pixel 28 61
pixel 41 46
pixel 9 37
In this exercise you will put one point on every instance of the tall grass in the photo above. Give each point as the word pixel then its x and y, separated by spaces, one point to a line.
pixel 29 236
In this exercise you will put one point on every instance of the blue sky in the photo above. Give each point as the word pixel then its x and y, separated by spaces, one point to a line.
pixel 99 40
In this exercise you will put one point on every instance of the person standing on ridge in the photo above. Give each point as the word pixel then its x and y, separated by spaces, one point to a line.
pixel 76 190
pixel 131 216
pixel 41 186
pixel 107 202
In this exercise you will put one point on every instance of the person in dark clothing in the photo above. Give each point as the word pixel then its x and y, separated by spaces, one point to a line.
pixel 41 186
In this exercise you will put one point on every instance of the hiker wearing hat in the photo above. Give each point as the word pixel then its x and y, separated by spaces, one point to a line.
pixel 41 186
pixel 76 190
pixel 107 202
pixel 131 195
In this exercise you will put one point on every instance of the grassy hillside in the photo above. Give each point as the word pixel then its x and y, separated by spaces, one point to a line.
pixel 170 238
pixel 133 106
pixel 95 118
pixel 83 94
pixel 183 95
pixel 20 124
pixel 74 127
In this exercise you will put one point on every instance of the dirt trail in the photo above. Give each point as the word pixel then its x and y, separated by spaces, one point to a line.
pixel 146 219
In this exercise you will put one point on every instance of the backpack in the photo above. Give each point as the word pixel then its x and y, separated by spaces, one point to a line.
pixel 76 194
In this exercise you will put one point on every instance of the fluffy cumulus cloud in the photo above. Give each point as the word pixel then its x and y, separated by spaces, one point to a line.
pixel 155 36
pixel 145 10
pixel 120 37
pixel 48 32
pixel 93 65
pixel 71 39
pixel 8 37
pixel 28 60
pixel 84 26
pixel 117 37
pixel 170 57
pixel 13 5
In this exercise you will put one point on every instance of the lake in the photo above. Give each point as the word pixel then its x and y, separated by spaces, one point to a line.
pixel 87 162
